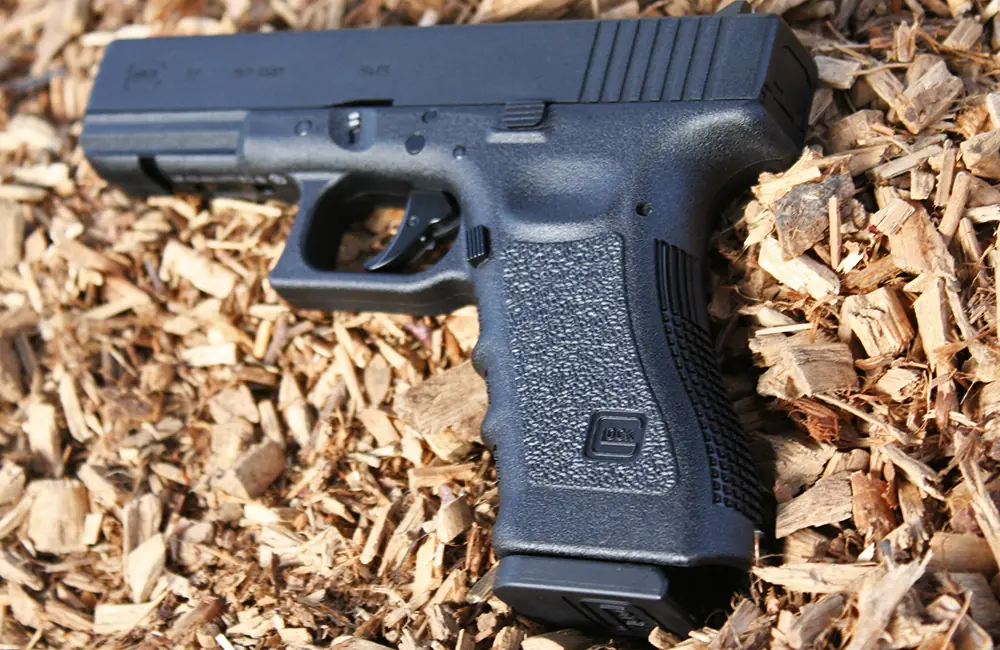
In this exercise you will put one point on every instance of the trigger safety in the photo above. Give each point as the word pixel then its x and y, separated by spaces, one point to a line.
pixel 428 219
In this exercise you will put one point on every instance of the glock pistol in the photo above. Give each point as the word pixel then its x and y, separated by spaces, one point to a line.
pixel 575 166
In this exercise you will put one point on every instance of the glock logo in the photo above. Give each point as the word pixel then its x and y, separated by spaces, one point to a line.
pixel 145 76
pixel 618 615
pixel 618 436
pixel 615 435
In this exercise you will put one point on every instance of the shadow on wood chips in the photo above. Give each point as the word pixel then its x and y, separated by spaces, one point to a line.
pixel 189 462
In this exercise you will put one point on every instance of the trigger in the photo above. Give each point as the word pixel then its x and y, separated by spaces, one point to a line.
pixel 428 219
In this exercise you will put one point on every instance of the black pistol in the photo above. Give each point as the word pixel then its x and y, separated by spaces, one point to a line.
pixel 576 165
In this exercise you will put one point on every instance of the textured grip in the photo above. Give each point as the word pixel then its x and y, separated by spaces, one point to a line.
pixel 734 483
pixel 613 435
pixel 574 359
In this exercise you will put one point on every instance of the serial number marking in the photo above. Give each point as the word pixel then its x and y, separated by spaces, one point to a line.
pixel 379 70
pixel 247 179
pixel 258 72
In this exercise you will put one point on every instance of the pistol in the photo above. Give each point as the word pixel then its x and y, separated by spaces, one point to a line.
pixel 575 167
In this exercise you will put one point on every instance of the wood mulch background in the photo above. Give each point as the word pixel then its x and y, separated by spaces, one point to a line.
pixel 189 462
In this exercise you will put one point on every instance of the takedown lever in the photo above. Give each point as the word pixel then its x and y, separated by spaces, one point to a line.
pixel 429 218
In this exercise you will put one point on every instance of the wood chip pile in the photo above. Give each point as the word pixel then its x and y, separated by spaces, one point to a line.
pixel 189 462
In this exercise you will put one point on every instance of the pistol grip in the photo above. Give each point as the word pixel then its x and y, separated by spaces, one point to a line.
pixel 615 443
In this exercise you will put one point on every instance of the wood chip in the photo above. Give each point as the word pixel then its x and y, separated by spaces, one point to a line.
pixel 92 528
pixel 856 129
pixel 508 638
pixel 900 384
pixel 559 640
pixel 17 570
pixel 32 132
pixel 494 10
pixel 23 193
pixel 921 185
pixel 110 619
pixel 933 323
pixel 298 416
pixel 11 384
pixel 101 489
pixel 993 108
pixel 891 218
pixel 661 639
pixel 376 534
pixel 140 521
pixel 11 233
pixel 917 247
pixel 14 517
pixel 428 570
pixel 453 519
pixel 201 356
pixel 983 606
pixel 26 609
pixel 403 538
pixel 872 514
pixel 797 463
pixel 360 354
pixel 206 609
pixel 431 477
pixel 54 176
pixel 262 339
pixel 232 403
pixel 65 616
pixel 295 637
pixel 82 256
pixel 806 545
pixel 814 620
pixel 961 553
pixel 58 510
pixel 946 176
pixel 816 578
pixel 343 366
pixel 827 502
pixel 144 565
pixel 44 438
pixel 983 507
pixel 798 367
pixel 208 276
pixel 773 187
pixel 72 410
pixel 269 421
pixel 12 480
pixel 907 163
pixel 965 35
pixel 956 207
pixel 377 379
pixel 802 274
pixel 925 100
pixel 802 214
pixel 917 472
pixel 354 643
pixel 253 473
pixel 968 635
pixel 981 154
pixel 879 321
pixel 836 242
pixel 837 73
pixel 66 19
pixel 377 423
pixel 447 409
pixel 878 600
